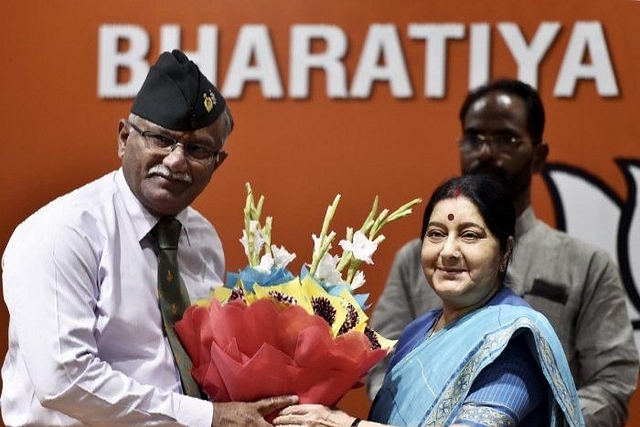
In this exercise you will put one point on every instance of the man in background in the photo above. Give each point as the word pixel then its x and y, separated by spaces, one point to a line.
pixel 575 285
pixel 91 282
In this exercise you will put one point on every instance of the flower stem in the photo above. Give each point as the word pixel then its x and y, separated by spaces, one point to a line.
pixel 324 241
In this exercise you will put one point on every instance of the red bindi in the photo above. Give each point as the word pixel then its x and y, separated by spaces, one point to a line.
pixel 450 217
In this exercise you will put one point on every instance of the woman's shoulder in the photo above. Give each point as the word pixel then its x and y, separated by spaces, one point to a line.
pixel 514 310
pixel 506 296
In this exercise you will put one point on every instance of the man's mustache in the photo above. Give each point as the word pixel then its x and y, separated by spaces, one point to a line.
pixel 167 173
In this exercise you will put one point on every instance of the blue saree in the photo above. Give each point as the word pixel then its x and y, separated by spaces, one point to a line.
pixel 429 377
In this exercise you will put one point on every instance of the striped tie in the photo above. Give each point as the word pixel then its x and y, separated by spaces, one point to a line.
pixel 173 296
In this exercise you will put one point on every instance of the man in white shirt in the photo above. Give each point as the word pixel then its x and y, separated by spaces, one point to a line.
pixel 86 341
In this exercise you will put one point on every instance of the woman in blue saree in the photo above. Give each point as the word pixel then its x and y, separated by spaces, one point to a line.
pixel 486 358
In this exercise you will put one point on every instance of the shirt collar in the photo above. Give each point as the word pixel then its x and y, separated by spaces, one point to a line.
pixel 525 222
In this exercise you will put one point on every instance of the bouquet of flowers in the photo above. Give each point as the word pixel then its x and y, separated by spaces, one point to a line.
pixel 268 332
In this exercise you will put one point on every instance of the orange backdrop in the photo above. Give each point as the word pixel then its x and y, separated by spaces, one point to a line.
pixel 382 122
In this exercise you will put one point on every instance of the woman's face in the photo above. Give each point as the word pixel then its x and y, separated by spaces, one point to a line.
pixel 460 257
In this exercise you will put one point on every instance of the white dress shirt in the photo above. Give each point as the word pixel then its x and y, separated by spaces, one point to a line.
pixel 86 345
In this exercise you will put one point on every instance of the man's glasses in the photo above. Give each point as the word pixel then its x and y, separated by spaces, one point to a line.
pixel 192 150
pixel 498 143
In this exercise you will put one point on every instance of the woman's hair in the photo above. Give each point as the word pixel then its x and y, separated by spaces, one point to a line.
pixel 490 198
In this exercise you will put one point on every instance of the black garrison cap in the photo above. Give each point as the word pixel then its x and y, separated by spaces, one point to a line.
pixel 177 96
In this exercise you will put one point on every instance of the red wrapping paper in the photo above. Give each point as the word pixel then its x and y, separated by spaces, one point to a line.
pixel 244 353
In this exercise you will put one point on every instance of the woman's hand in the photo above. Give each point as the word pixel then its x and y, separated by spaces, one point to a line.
pixel 309 415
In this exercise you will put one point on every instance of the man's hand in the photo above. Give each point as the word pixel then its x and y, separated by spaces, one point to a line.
pixel 249 413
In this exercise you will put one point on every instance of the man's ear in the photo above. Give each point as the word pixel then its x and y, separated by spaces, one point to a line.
pixel 123 136
pixel 222 156
pixel 540 153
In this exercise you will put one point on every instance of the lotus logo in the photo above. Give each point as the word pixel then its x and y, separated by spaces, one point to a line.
pixel 585 207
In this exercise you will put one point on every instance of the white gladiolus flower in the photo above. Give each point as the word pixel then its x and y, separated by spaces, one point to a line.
pixel 361 247
pixel 357 247
pixel 258 239
pixel 281 256
pixel 266 262
pixel 316 243
pixel 358 280
pixel 327 270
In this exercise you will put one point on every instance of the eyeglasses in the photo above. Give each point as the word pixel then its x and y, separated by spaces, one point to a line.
pixel 192 150
pixel 498 143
